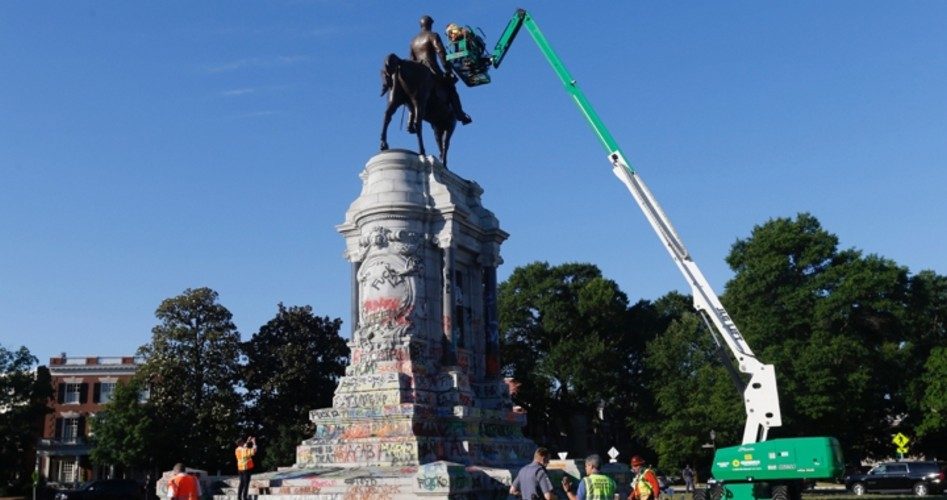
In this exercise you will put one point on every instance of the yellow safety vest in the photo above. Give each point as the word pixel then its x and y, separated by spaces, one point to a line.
pixel 643 487
pixel 599 487
pixel 244 458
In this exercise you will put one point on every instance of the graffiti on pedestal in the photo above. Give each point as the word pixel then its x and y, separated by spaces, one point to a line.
pixel 389 285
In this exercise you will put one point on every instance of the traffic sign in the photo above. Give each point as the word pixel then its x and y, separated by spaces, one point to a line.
pixel 900 439
pixel 902 450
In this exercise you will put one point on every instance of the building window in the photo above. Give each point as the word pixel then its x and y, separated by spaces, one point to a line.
pixel 67 472
pixel 70 430
pixel 106 390
pixel 73 393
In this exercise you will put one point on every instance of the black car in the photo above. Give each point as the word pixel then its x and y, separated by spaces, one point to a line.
pixel 104 489
pixel 921 478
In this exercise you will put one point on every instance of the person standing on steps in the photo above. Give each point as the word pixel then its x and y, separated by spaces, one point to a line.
pixel 246 448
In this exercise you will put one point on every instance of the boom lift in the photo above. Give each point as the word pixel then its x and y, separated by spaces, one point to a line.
pixel 757 468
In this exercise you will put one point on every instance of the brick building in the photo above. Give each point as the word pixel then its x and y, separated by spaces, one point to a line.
pixel 81 386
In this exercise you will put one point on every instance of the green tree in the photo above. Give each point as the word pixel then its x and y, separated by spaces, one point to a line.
pixel 833 324
pixel 125 433
pixel 927 317
pixel 560 330
pixel 293 366
pixel 933 403
pixel 691 391
pixel 192 369
pixel 854 338
pixel 23 404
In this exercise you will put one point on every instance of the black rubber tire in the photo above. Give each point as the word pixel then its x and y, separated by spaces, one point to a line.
pixel 700 494
pixel 781 492
pixel 716 492
pixel 921 489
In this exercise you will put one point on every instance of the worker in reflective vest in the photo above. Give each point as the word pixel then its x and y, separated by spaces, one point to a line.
pixel 594 486
pixel 246 448
pixel 183 486
pixel 645 486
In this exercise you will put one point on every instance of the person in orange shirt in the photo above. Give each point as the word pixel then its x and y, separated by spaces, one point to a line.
pixel 183 486
pixel 244 452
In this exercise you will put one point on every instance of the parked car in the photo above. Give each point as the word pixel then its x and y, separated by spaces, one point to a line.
pixel 921 478
pixel 104 489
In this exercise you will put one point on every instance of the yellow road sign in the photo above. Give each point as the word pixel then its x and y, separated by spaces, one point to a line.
pixel 902 450
pixel 900 439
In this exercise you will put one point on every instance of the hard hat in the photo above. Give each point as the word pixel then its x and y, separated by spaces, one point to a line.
pixel 453 31
pixel 637 461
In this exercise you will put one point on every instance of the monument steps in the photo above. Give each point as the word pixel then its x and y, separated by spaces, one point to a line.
pixel 436 480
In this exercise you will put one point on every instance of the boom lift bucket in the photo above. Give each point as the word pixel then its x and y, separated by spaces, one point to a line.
pixel 467 55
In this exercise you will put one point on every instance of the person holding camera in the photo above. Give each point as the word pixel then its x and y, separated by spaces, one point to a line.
pixel 246 448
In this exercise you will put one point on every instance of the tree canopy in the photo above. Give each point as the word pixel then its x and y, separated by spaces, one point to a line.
pixel 833 323
pixel 293 364
pixel 560 328
pixel 125 432
pixel 857 341
pixel 24 396
pixel 192 369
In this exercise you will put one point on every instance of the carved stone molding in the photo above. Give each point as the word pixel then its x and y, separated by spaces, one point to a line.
pixel 389 279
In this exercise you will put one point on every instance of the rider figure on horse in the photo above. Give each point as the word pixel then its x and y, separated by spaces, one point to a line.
pixel 427 48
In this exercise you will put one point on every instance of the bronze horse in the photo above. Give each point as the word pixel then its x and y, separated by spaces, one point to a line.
pixel 412 84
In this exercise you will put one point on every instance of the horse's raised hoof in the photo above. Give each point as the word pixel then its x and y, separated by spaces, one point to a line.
pixel 466 119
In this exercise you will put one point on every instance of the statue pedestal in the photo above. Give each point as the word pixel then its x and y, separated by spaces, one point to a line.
pixel 422 410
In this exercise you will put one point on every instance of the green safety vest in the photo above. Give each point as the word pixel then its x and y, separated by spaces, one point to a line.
pixel 599 487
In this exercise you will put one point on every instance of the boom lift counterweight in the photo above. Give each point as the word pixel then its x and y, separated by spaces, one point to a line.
pixel 757 468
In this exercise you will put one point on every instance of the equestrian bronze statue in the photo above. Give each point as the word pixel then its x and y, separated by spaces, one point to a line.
pixel 428 91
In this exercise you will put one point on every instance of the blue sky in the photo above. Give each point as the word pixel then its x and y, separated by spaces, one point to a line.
pixel 149 147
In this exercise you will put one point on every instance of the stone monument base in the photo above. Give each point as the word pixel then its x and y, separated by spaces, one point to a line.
pixel 436 480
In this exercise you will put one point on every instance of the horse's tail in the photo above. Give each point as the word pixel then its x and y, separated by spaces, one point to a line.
pixel 392 63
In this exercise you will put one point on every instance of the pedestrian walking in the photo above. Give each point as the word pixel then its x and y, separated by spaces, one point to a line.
pixel 594 486
pixel 246 448
pixel 532 482
pixel 688 475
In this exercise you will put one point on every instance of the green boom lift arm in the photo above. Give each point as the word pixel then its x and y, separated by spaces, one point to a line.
pixel 757 468
pixel 760 393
